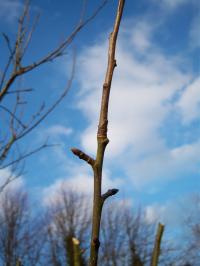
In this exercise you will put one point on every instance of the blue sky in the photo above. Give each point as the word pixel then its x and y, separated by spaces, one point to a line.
pixel 154 152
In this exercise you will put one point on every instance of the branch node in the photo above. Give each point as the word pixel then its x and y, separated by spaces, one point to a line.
pixel 102 129
pixel 96 243
pixel 105 86
pixel 106 141
pixel 83 156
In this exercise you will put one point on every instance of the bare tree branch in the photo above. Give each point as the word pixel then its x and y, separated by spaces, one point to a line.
pixel 19 70
pixel 13 115
pixel 109 193
pixel 26 155
pixel 19 125
pixel 102 142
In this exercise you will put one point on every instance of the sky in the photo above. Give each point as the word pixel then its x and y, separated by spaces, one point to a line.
pixel 154 152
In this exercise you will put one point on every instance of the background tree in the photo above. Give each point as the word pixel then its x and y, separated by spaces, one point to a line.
pixel 113 239
pixel 69 218
pixel 140 235
pixel 20 113
pixel 127 237
pixel 22 236
pixel 189 252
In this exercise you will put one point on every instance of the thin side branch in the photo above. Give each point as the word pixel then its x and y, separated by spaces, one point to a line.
pixel 109 193
pixel 20 90
pixel 57 52
pixel 13 116
pixel 26 155
pixel 83 156
pixel 6 38
pixel 7 148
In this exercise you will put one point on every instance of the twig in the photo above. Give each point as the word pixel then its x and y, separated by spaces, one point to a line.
pixel 13 116
pixel 19 70
pixel 24 156
pixel 102 141
pixel 20 90
pixel 109 193
pixel 7 148
pixel 83 156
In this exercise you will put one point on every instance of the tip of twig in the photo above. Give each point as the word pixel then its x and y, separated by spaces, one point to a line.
pixel 114 191
pixel 75 241
pixel 83 156
pixel 75 151
pixel 109 193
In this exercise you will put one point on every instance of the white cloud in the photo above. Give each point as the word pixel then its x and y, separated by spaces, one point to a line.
pixel 154 213
pixel 144 92
pixel 174 212
pixel 172 4
pixel 139 92
pixel 168 214
pixel 55 134
pixel 141 35
pixel 9 181
pixel 80 179
pixel 168 164
pixel 58 130
pixel 189 102
pixel 80 184
pixel 10 9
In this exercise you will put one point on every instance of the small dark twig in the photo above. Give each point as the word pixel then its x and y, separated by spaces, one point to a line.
pixel 19 70
pixel 7 148
pixel 20 90
pixel 13 116
pixel 109 193
pixel 6 38
pixel 24 156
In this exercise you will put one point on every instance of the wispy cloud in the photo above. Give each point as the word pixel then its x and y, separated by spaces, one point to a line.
pixel 172 4
pixel 141 35
pixel 174 213
pixel 58 130
pixel 12 182
pixel 165 165
pixel 10 10
pixel 78 178
pixel 148 85
pixel 189 102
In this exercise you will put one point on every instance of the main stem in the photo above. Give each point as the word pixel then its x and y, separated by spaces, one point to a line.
pixel 102 142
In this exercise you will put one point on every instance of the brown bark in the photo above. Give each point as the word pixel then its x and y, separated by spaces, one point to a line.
pixel 157 244
pixel 102 141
